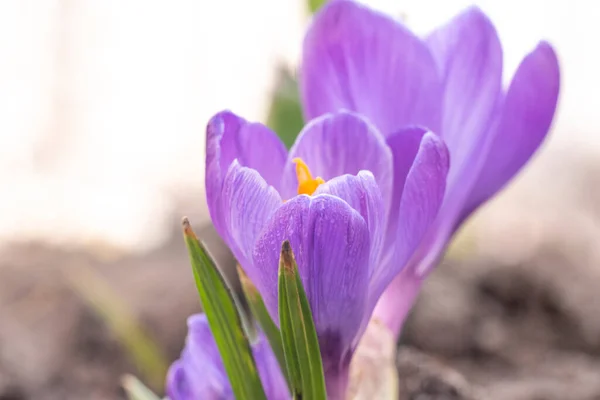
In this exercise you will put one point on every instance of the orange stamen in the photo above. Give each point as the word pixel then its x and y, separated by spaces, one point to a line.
pixel 306 183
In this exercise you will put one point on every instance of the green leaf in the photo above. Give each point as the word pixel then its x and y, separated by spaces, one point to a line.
pixel 314 5
pixel 260 313
pixel 300 342
pixel 136 390
pixel 285 114
pixel 224 320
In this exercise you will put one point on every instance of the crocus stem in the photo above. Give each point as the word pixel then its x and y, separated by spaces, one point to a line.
pixel 396 302
pixel 336 380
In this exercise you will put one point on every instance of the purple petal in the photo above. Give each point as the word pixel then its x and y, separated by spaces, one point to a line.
pixel 524 121
pixel 272 379
pixel 331 243
pixel 362 193
pixel 229 137
pixel 422 197
pixel 177 386
pixel 526 117
pixel 398 299
pixel 469 55
pixel 404 145
pixel 339 144
pixel 247 202
pixel 361 60
pixel 200 373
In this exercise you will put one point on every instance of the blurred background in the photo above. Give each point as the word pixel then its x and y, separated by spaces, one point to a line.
pixel 102 112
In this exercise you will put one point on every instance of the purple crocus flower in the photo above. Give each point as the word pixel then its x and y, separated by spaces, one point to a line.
pixel 450 82
pixel 200 374
pixel 331 196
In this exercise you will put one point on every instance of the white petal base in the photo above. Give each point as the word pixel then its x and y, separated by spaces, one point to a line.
pixel 373 372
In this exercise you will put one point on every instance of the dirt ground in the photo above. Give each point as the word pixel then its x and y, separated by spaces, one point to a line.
pixel 518 319
pixel 505 324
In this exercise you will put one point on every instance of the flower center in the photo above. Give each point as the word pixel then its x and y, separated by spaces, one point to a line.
pixel 306 183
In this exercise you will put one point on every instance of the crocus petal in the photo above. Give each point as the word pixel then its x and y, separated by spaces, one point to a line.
pixel 422 198
pixel 469 56
pixel 229 137
pixel 362 193
pixel 272 379
pixel 361 60
pixel 331 243
pixel 200 373
pixel 404 145
pixel 526 117
pixel 523 122
pixel 339 144
pixel 247 204
pixel 397 300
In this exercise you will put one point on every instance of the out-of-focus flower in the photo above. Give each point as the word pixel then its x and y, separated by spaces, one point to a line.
pixel 450 82
pixel 334 197
pixel 200 373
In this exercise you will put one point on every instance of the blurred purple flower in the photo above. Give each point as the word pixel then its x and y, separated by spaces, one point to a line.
pixel 357 59
pixel 259 195
pixel 200 373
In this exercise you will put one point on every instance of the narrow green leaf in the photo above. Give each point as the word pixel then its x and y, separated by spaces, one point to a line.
pixel 288 341
pixel 136 390
pixel 224 320
pixel 300 342
pixel 314 5
pixel 260 313
pixel 285 114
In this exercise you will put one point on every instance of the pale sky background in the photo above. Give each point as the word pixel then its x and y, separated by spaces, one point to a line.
pixel 103 103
